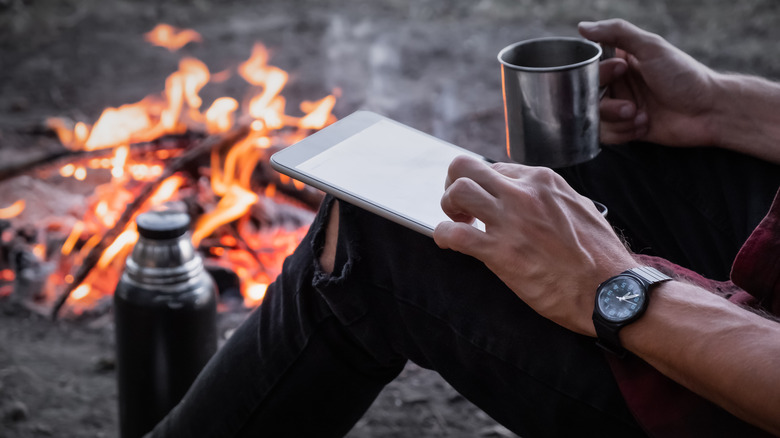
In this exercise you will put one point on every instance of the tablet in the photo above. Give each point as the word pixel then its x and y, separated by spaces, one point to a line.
pixel 378 164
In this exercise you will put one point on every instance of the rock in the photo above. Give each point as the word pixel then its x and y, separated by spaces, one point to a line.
pixel 42 429
pixel 103 364
pixel 16 411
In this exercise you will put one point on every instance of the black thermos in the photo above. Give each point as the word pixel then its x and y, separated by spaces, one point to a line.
pixel 165 316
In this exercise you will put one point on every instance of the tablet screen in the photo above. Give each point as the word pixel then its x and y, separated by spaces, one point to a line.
pixel 390 166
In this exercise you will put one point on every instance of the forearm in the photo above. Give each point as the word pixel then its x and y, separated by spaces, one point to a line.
pixel 746 117
pixel 716 349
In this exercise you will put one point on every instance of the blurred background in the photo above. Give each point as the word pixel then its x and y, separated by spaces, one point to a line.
pixel 428 63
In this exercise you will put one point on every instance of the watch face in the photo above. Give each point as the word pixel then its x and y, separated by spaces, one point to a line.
pixel 621 299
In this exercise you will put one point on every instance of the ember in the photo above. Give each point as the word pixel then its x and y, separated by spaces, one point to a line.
pixel 149 153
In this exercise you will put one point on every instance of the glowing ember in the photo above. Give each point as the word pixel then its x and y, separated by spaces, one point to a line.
pixel 7 275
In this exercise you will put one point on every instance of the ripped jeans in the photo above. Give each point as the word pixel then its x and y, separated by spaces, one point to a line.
pixel 312 358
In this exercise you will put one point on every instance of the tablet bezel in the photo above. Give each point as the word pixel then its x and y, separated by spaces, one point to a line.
pixel 287 160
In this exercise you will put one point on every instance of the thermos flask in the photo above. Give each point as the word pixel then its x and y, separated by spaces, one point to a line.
pixel 165 318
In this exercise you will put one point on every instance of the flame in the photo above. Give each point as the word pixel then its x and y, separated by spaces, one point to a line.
pixel 254 254
pixel 119 125
pixel 119 160
pixel 166 190
pixel 125 241
pixel 232 206
pixel 254 293
pixel 219 116
pixel 257 72
pixel 172 38
pixel 318 113
pixel 195 75
pixel 73 238
pixel 81 292
pixel 13 210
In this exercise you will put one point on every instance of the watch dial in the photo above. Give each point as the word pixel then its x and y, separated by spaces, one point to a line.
pixel 621 299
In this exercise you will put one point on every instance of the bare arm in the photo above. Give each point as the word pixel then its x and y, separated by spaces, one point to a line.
pixel 552 248
pixel 746 117
pixel 714 348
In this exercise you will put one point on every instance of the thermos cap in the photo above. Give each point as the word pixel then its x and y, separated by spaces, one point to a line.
pixel 162 225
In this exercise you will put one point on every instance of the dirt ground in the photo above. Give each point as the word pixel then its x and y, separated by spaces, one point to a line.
pixel 428 63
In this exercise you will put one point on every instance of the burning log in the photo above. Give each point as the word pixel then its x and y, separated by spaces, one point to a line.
pixel 236 199
pixel 65 154
pixel 176 164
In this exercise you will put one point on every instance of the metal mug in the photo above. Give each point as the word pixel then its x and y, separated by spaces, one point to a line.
pixel 551 100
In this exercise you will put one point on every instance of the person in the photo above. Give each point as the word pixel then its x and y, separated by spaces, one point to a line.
pixel 506 315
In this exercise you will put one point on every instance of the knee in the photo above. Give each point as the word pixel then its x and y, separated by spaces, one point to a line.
pixel 328 256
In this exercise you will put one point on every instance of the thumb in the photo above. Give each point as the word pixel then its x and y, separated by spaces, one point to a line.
pixel 620 34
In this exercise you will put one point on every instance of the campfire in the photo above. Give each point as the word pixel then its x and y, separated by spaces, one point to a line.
pixel 174 149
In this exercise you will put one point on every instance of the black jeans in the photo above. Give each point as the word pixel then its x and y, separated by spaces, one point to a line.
pixel 311 359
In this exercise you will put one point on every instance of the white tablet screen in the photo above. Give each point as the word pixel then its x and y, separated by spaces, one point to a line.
pixel 391 166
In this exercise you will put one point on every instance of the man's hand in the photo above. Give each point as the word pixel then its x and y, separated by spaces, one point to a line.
pixel 657 92
pixel 550 245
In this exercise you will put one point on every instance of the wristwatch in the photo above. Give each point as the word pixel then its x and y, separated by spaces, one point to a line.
pixel 620 301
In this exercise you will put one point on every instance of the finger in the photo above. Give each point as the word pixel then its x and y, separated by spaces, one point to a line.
pixel 465 200
pixel 510 170
pixel 462 238
pixel 464 166
pixel 610 70
pixel 617 110
pixel 621 132
pixel 621 34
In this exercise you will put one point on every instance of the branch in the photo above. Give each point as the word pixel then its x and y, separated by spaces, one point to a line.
pixel 16 169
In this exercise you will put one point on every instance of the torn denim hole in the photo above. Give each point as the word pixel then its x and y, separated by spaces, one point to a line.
pixel 342 296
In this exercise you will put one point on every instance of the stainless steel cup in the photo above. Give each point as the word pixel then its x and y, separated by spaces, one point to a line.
pixel 551 100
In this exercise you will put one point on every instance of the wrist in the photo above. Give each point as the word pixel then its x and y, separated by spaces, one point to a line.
pixel 724 119
pixel 744 115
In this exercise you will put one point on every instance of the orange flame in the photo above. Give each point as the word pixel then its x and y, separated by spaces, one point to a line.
pixel 119 125
pixel 254 254
pixel 318 113
pixel 254 293
pixel 257 72
pixel 13 210
pixel 125 241
pixel 219 116
pixel 232 206
pixel 73 238
pixel 172 38
pixel 81 292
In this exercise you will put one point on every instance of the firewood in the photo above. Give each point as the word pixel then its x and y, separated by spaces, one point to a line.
pixel 173 166
pixel 64 154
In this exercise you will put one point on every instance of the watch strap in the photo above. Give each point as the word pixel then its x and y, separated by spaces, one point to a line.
pixel 607 334
pixel 607 331
pixel 649 275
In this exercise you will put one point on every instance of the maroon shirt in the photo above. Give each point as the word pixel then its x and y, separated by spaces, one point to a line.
pixel 665 408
